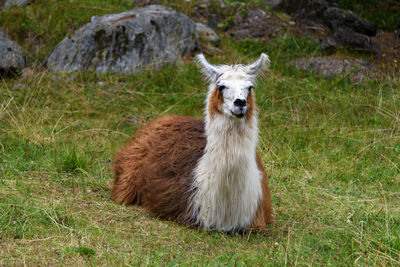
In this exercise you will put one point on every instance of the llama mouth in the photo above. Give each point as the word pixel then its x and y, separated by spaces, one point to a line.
pixel 239 112
pixel 239 115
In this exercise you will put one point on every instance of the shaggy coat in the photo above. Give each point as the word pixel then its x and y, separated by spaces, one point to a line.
pixel 155 169
pixel 202 172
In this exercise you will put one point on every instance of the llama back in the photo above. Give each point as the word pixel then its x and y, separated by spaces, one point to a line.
pixel 156 168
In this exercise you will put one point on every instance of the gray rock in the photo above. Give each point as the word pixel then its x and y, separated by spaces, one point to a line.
pixel 10 3
pixel 338 18
pixel 210 50
pixel 358 41
pixel 397 32
pixel 305 9
pixel 351 40
pixel 12 58
pixel 141 38
pixel 327 12
pixel 329 44
pixel 272 3
pixel 207 34
pixel 212 21
pixel 357 70
pixel 255 24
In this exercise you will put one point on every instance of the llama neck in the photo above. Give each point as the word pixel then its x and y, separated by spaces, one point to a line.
pixel 224 134
pixel 229 139
pixel 227 178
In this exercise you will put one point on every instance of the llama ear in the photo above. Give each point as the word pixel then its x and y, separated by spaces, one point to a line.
pixel 259 65
pixel 209 71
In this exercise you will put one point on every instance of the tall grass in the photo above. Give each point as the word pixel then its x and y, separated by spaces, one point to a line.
pixel 331 150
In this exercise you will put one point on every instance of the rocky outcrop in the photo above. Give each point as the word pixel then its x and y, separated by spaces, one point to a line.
pixel 305 9
pixel 357 41
pixel 272 3
pixel 329 45
pixel 355 69
pixel 348 29
pixel 328 13
pixel 255 23
pixel 146 37
pixel 12 58
pixel 206 34
pixel 341 19
pixel 397 32
pixel 10 3
pixel 351 40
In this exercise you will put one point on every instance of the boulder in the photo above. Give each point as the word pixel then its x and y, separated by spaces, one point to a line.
pixel 255 23
pixel 127 42
pixel 12 58
pixel 305 9
pixel 355 69
pixel 272 3
pixel 357 41
pixel 350 40
pixel 10 3
pixel 206 34
pixel 328 13
pixel 338 18
pixel 329 45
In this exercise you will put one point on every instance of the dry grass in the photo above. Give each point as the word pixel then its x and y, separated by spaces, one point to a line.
pixel 330 148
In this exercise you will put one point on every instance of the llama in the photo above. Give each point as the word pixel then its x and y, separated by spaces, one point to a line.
pixel 202 173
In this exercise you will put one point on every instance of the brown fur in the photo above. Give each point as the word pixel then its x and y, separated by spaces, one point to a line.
pixel 216 102
pixel 264 212
pixel 250 105
pixel 155 169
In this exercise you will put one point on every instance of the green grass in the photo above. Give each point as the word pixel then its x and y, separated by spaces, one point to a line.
pixel 331 149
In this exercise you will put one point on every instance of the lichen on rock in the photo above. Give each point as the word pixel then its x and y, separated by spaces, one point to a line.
pixel 127 42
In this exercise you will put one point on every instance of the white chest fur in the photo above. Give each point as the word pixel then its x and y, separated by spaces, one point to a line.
pixel 227 179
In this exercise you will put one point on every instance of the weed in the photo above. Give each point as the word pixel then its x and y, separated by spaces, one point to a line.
pixel 81 250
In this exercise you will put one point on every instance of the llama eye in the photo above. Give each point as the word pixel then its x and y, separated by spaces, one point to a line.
pixel 221 88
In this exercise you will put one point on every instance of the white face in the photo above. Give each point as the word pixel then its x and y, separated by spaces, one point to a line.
pixel 234 83
pixel 234 86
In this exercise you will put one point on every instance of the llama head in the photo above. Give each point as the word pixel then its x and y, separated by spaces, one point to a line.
pixel 231 86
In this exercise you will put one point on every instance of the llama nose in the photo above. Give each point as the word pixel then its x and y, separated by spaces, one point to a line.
pixel 240 102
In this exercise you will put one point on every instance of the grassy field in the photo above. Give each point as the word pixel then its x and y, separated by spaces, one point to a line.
pixel 331 149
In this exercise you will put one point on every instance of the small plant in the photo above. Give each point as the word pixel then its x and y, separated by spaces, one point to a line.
pixel 80 250
pixel 68 160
